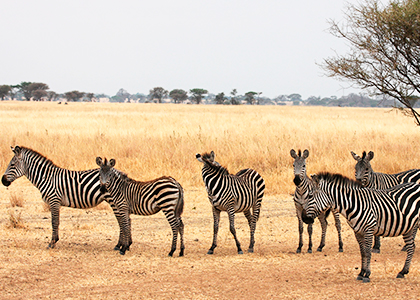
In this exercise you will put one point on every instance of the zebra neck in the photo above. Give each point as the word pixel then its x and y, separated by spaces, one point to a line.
pixel 305 186
pixel 39 169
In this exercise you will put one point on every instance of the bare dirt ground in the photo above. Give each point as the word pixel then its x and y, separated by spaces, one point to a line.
pixel 84 266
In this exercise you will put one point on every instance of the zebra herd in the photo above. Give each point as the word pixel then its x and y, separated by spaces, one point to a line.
pixel 374 204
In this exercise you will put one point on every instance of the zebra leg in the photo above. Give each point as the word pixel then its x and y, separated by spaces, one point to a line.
pixel 174 223
pixel 324 224
pixel 248 216
pixel 377 245
pixel 181 235
pixel 300 224
pixel 216 218
pixel 414 237
pixel 55 221
pixel 119 219
pixel 409 242
pixel 310 230
pixel 365 244
pixel 338 226
pixel 231 213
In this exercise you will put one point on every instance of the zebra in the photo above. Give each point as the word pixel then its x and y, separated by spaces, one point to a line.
pixel 304 186
pixel 370 179
pixel 391 212
pixel 144 198
pixel 58 186
pixel 242 192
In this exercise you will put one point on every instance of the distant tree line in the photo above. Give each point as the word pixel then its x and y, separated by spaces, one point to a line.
pixel 36 91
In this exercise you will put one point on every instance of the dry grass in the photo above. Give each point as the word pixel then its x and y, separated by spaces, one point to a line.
pixel 153 140
pixel 16 221
pixel 16 199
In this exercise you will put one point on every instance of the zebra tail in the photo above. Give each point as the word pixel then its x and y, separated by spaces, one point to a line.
pixel 179 208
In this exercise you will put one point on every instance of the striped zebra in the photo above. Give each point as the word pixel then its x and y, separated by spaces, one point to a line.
pixel 391 212
pixel 242 192
pixel 370 179
pixel 58 186
pixel 304 186
pixel 144 198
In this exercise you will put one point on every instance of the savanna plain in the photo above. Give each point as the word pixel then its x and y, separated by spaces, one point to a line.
pixel 151 140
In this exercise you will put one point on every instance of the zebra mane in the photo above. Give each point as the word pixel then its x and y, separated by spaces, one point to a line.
pixel 213 164
pixel 43 157
pixel 338 179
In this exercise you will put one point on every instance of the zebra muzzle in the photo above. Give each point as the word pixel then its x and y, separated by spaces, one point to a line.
pixel 306 219
pixel 103 189
pixel 297 180
pixel 5 181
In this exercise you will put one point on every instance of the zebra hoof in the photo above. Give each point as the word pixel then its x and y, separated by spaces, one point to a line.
pixel 359 277
pixel 117 248
pixel 210 252
pixel 376 250
pixel 181 253
pixel 298 250
pixel 366 279
pixel 309 250
pixel 400 275
pixel 240 252
pixel 319 249
pixel 340 250
pixel 250 250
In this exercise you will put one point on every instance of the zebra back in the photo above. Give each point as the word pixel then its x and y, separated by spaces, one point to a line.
pixel 245 188
pixel 78 189
pixel 365 174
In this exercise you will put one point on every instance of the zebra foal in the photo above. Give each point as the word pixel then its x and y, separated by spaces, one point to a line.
pixel 58 186
pixel 304 187
pixel 242 192
pixel 391 212
pixel 143 198
pixel 370 179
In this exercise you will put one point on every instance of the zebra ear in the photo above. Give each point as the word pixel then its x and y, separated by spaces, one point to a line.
pixel 99 161
pixel 315 179
pixel 293 153
pixel 355 156
pixel 112 162
pixel 212 155
pixel 370 155
pixel 16 150
pixel 305 154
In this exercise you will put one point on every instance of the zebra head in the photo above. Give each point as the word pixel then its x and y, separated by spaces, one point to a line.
pixel 363 168
pixel 15 169
pixel 299 165
pixel 105 172
pixel 207 158
pixel 318 200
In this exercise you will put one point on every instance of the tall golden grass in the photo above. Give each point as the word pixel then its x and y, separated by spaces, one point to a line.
pixel 150 140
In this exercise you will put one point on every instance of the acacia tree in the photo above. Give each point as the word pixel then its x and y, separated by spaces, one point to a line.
pixel 197 94
pixel 233 99
pixel 38 90
pixel 73 96
pixel 220 98
pixel 178 95
pixel 250 97
pixel 384 51
pixel 4 90
pixel 23 87
pixel 158 93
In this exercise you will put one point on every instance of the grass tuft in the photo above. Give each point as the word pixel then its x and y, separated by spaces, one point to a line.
pixel 16 221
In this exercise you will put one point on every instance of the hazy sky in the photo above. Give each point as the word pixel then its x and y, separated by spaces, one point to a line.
pixel 268 46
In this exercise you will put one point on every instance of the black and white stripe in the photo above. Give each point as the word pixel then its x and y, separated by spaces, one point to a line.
pixel 375 180
pixel 144 198
pixel 58 186
pixel 304 187
pixel 391 212
pixel 242 192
